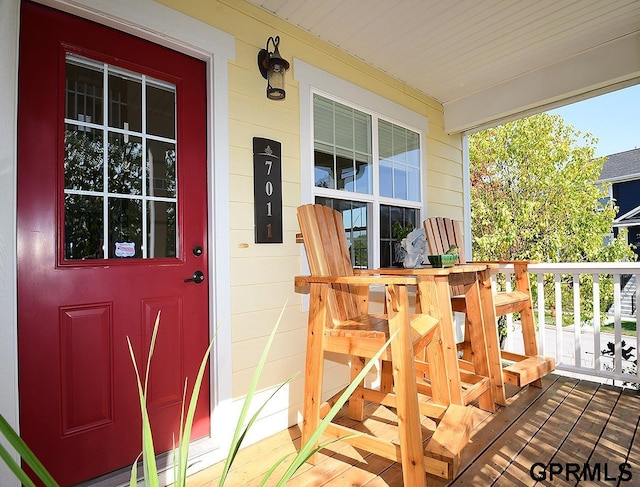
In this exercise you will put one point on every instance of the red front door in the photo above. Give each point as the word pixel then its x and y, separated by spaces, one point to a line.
pixel 112 218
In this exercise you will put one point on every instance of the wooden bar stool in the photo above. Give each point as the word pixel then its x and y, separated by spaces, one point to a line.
pixel 508 367
pixel 339 322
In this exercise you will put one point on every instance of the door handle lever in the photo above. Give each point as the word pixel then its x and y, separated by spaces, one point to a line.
pixel 198 277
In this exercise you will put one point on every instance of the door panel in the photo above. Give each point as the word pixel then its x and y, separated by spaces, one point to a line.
pixel 111 202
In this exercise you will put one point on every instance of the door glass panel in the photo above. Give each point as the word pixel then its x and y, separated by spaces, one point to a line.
pixel 125 164
pixel 161 222
pixel 125 103
pixel 161 171
pixel 125 222
pixel 161 112
pixel 84 93
pixel 83 227
pixel 121 177
pixel 83 159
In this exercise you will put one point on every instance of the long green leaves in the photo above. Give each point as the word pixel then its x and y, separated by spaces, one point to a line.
pixel 181 453
pixel 26 454
pixel 308 449
pixel 148 453
pixel 241 430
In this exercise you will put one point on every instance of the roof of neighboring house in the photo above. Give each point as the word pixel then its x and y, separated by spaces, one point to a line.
pixel 623 165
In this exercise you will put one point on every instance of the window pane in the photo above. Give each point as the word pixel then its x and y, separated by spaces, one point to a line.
pixel 344 126
pixel 83 93
pixel 356 224
pixel 323 172
pixel 413 184
pixel 83 227
pixel 161 112
pixel 342 134
pixel 413 149
pixel 125 103
pixel 386 180
pixel 362 132
pixel 399 153
pixel 385 140
pixel 392 220
pixel 400 182
pixel 125 164
pixel 364 174
pixel 125 224
pixel 161 166
pixel 323 120
pixel 83 159
pixel 344 167
pixel 161 225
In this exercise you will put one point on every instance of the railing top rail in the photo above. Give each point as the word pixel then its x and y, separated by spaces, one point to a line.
pixel 581 267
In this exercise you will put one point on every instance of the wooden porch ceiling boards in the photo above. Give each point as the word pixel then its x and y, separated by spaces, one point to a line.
pixel 567 421
pixel 523 56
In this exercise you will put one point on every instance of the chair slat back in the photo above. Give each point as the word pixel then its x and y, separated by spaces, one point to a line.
pixel 441 234
pixel 325 243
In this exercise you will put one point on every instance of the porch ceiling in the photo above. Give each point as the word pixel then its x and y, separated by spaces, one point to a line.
pixel 486 61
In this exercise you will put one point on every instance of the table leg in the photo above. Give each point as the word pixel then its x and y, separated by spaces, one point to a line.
pixel 410 430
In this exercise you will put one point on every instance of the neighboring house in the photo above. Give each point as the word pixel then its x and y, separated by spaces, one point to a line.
pixel 127 132
pixel 622 171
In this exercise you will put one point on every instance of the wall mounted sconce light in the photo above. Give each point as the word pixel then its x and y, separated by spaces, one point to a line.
pixel 273 67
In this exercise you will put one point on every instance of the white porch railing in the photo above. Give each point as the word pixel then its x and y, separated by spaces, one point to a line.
pixel 577 343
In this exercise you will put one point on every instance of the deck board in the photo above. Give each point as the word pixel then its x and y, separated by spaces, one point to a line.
pixel 566 421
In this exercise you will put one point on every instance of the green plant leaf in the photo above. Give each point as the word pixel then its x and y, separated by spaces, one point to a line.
pixel 148 453
pixel 15 467
pixel 238 435
pixel 185 428
pixel 307 449
pixel 23 450
pixel 133 480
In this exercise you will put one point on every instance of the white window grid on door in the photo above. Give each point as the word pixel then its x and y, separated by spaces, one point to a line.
pixel 146 195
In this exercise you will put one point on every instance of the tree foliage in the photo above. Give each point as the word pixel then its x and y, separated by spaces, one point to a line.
pixel 535 196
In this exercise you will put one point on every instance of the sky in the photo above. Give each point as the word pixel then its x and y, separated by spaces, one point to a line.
pixel 614 119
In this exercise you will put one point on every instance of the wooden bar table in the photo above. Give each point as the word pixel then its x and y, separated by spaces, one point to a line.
pixel 483 358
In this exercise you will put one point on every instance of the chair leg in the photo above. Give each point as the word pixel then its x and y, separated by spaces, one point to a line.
pixel 493 341
pixel 526 316
pixel 386 376
pixel 476 333
pixel 314 364
pixel 356 400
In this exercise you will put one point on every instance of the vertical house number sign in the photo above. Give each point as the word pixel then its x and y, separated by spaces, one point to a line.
pixel 267 190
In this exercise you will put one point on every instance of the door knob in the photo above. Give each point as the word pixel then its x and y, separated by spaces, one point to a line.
pixel 198 277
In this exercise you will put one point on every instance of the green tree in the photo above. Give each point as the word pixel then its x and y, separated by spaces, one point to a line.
pixel 535 196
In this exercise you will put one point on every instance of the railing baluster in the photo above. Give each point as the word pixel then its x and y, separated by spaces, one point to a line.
pixel 542 325
pixel 617 324
pixel 558 308
pixel 596 323
pixel 577 341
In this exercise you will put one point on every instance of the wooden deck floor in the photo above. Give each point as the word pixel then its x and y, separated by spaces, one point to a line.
pixel 568 421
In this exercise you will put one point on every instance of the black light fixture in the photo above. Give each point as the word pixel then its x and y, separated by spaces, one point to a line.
pixel 273 67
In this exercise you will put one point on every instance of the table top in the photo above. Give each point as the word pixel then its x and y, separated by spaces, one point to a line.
pixel 428 270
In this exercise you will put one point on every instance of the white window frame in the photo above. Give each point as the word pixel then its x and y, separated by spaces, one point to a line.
pixel 315 81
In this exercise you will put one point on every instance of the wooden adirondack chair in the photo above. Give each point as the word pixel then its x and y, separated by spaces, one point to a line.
pixel 339 322
pixel 520 370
